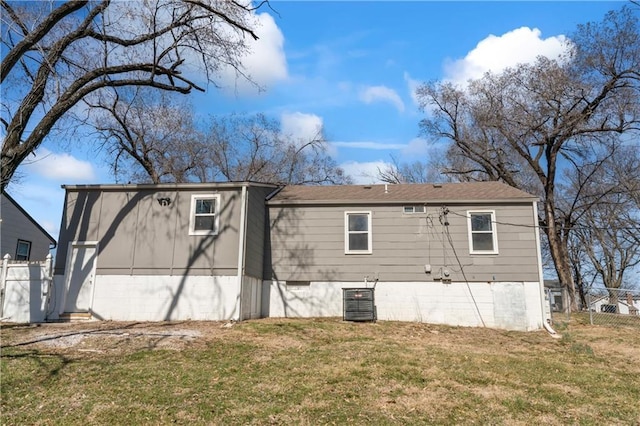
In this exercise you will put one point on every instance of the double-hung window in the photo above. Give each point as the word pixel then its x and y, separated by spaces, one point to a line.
pixel 357 233
pixel 483 238
pixel 23 250
pixel 204 218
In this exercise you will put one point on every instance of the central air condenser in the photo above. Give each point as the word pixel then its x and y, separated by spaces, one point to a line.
pixel 359 304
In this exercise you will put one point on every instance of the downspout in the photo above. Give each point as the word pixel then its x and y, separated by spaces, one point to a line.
pixel 536 228
pixel 241 247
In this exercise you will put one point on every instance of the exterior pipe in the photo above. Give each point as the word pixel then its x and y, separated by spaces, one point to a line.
pixel 545 324
pixel 241 247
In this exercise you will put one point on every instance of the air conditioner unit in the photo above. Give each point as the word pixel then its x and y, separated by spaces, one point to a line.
pixel 359 304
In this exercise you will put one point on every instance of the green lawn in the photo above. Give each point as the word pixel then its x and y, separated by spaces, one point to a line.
pixel 317 372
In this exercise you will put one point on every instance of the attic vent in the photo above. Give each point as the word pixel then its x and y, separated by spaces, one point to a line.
pixel 437 185
pixel 367 187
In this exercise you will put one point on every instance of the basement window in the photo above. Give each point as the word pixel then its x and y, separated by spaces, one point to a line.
pixel 204 214
pixel 298 284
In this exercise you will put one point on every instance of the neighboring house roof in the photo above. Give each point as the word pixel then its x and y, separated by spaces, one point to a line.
pixel 28 216
pixel 401 193
pixel 553 284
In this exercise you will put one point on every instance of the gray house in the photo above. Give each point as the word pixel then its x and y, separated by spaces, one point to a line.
pixel 160 252
pixel 460 254
pixel 20 235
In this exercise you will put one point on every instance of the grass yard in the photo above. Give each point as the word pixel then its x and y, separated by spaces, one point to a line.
pixel 317 372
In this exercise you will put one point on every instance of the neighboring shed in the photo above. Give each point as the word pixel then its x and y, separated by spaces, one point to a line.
pixel 160 252
pixel 20 235
pixel 457 253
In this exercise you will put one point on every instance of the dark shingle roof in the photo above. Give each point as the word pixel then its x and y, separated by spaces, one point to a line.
pixel 401 193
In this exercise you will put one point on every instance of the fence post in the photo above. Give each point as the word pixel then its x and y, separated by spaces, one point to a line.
pixel 590 309
pixel 3 280
pixel 48 269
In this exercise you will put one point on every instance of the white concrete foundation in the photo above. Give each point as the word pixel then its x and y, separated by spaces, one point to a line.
pixel 504 305
pixel 159 298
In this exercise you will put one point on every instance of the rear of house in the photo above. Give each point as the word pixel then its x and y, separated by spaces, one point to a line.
pixel 460 254
pixel 161 252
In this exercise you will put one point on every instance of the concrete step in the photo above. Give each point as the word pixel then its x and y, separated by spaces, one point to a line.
pixel 75 316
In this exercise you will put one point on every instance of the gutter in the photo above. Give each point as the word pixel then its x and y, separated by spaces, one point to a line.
pixel 166 186
pixel 432 202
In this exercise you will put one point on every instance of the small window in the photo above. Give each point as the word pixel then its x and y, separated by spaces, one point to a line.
pixel 204 215
pixel 413 209
pixel 483 237
pixel 357 229
pixel 23 250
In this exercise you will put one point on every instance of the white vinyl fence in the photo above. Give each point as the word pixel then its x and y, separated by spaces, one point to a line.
pixel 24 290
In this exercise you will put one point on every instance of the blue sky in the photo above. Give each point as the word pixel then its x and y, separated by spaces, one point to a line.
pixel 350 67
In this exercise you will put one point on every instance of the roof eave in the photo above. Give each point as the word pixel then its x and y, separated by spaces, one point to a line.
pixel 524 200
pixel 167 186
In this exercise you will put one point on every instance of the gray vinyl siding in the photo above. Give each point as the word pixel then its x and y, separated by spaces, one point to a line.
pixel 255 236
pixel 307 244
pixel 14 226
pixel 138 236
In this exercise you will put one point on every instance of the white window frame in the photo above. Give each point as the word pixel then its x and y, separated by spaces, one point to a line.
pixel 192 214
pixel 411 209
pixel 347 232
pixel 494 232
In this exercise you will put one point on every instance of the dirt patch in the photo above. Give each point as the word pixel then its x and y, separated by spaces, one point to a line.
pixel 109 336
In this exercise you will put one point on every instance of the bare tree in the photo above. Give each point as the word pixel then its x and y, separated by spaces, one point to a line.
pixel 607 229
pixel 415 172
pixel 523 125
pixel 254 148
pixel 150 135
pixel 153 137
pixel 58 54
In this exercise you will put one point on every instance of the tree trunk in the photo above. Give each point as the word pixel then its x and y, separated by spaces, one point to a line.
pixel 560 255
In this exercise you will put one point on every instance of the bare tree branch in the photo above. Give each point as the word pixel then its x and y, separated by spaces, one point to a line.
pixel 528 124
pixel 79 49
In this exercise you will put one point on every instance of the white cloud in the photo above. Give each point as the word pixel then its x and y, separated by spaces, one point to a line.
pixel 300 125
pixel 412 85
pixel 265 63
pixel 372 94
pixel 369 145
pixel 495 53
pixel 364 172
pixel 417 148
pixel 303 128
pixel 59 166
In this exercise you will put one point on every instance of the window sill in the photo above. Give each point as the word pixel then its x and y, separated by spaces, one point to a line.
pixel 202 233
pixel 483 253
